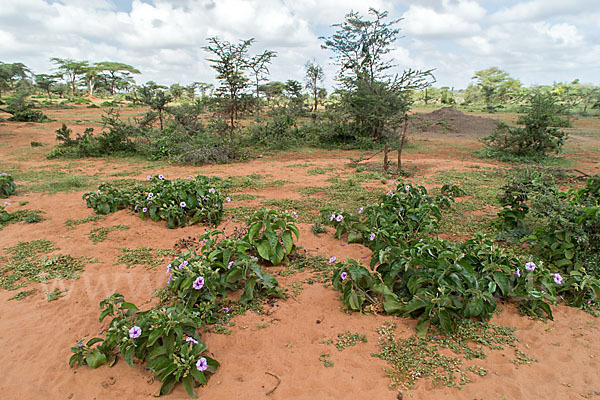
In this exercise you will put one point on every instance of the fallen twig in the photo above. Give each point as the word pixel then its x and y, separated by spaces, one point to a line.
pixel 276 386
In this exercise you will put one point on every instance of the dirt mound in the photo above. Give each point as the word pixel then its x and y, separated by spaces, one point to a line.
pixel 449 121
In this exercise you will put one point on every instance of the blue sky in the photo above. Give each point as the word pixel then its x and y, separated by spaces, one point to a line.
pixel 536 41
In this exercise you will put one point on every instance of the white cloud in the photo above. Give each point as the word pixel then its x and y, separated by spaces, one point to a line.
pixel 539 9
pixel 534 40
pixel 455 19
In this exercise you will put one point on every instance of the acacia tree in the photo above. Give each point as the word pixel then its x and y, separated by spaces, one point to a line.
pixel 314 76
pixel 259 65
pixel 231 62
pixel 496 85
pixel 45 82
pixel 10 73
pixel 115 71
pixel 70 70
pixel 377 101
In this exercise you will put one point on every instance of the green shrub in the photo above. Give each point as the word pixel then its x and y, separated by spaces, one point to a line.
pixel 538 137
pixel 178 202
pixel 7 185
pixel 164 338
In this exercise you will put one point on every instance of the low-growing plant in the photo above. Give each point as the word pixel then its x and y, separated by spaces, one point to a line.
pixel 271 233
pixel 165 338
pixel 179 202
pixel 7 185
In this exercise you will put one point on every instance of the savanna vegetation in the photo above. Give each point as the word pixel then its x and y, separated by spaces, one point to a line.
pixel 430 259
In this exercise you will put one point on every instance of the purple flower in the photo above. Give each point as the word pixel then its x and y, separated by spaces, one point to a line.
pixel 332 259
pixel 170 278
pixel 229 265
pixel 191 340
pixel 180 266
pixel 332 217
pixel 168 268
pixel 6 203
pixel 203 241
pixel 339 218
pixel 79 345
pixel 185 263
pixel 150 195
pixel 144 209
pixel 394 182
pixel 202 365
pixel 518 273
pixel 294 214
pixel 211 190
pixel 135 332
pixel 182 204
pixel 558 279
pixel 530 266
pixel 420 240
pixel 344 275
pixel 135 208
pixel 98 191
pixel 372 237
pixel 198 283
pixel 161 176
pixel 390 192
pixel 149 177
pixel 407 188
pixel 227 199
pixel 226 309
pixel 360 210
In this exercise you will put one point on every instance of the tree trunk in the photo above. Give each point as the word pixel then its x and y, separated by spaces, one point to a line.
pixel 386 161
pixel 402 140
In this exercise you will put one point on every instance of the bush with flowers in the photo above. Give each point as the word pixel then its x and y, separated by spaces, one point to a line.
pixel 437 281
pixel 179 202
pixel 7 185
pixel 166 338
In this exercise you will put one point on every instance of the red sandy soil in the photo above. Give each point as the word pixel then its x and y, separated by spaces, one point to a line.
pixel 36 335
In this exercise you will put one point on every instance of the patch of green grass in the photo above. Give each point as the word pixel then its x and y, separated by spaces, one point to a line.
pixel 55 294
pixel 26 216
pixel 145 256
pixel 26 264
pixel 70 223
pixel 243 197
pixel 318 170
pixel 23 294
pixel 348 339
pixel 298 165
pixel 99 234
pixel 69 183
pixel 126 172
pixel 252 181
pixel 240 213
pixel 416 358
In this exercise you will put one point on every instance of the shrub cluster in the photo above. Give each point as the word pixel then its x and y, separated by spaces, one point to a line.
pixel 538 137
pixel 7 185
pixel 179 202
pixel 166 338
pixel 562 228
pixel 436 281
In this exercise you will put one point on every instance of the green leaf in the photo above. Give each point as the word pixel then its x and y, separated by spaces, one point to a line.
pixel 502 281
pixel 288 242
pixel 154 335
pixel 95 358
pixel 264 250
pixel 167 386
pixel 254 230
pixel 188 385
pixel 423 325
pixel 445 321
pixel 278 254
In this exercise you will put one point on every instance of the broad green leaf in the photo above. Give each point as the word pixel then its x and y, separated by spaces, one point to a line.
pixel 188 385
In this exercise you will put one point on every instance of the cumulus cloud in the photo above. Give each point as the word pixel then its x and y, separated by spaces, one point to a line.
pixel 455 19
pixel 534 40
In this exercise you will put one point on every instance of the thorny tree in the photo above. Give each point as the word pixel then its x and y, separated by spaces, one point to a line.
pixel 376 100
pixel 231 61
